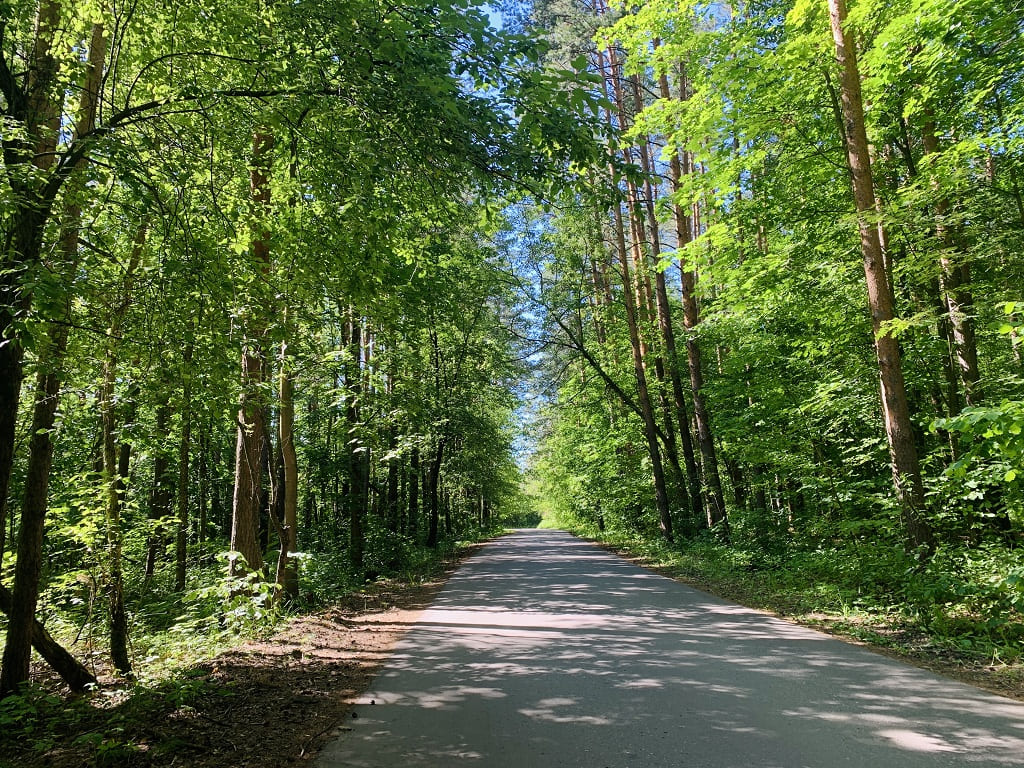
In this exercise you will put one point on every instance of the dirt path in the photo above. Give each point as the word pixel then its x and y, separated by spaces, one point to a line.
pixel 265 704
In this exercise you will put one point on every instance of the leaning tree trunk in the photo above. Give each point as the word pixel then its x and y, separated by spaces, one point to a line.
pixel 41 123
pixel 28 565
pixel 665 324
pixel 906 470
pixel 71 671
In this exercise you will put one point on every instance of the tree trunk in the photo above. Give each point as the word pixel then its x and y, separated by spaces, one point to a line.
pixel 715 508
pixel 713 512
pixel 43 112
pixel 28 565
pixel 184 448
pixel 115 465
pixel 906 469
pixel 358 478
pixel 955 277
pixel 71 671
pixel 41 118
pixel 204 484
pixel 391 505
pixel 414 491
pixel 287 572
pixel 249 447
pixel 665 324
pixel 433 475
pixel 162 496
pixel 44 109
pixel 629 301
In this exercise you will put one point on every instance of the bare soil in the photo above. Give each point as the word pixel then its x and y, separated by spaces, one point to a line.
pixel 265 704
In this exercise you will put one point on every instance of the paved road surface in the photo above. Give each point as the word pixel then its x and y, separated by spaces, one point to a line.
pixel 544 650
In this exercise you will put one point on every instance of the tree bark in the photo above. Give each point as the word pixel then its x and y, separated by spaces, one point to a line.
pixel 115 466
pixel 906 471
pixel 184 449
pixel 249 446
pixel 39 111
pixel 41 122
pixel 161 499
pixel 71 671
pixel 287 572
pixel 710 510
pixel 414 491
pixel 954 279
pixel 629 302
pixel 28 565
pixel 433 476
pixel 358 464
pixel 665 324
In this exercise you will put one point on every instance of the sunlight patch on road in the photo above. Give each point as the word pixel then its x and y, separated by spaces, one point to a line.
pixel 917 742
pixel 518 619
pixel 545 710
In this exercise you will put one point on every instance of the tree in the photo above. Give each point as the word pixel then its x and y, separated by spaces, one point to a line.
pixel 906 468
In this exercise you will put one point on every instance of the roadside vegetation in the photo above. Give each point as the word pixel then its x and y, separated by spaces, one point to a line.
pixel 956 614
pixel 225 656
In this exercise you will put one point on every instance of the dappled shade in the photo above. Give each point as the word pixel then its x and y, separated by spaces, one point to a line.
pixel 545 650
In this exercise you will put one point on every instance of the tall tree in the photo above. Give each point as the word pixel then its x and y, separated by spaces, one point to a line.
pixel 906 468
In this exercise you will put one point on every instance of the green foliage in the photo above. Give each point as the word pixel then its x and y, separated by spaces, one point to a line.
pixel 990 469
pixel 21 714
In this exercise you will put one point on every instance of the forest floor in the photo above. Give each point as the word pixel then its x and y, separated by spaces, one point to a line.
pixel 267 703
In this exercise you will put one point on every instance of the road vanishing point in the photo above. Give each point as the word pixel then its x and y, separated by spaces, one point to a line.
pixel 543 650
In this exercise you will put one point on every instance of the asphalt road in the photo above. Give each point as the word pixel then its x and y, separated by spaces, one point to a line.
pixel 543 650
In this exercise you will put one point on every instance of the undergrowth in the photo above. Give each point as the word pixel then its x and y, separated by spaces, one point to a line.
pixel 173 635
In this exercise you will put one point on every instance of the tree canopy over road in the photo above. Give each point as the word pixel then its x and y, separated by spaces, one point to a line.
pixel 283 286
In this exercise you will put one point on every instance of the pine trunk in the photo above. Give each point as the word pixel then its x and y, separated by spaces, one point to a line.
pixel 632 324
pixel 906 471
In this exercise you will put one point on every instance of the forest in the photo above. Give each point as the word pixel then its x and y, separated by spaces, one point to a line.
pixel 300 297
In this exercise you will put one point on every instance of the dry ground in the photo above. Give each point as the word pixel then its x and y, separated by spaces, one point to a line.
pixel 265 704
